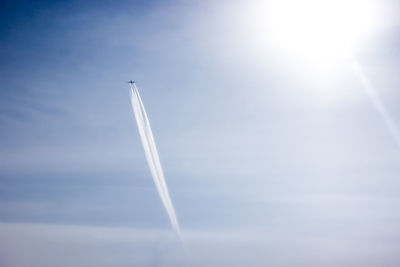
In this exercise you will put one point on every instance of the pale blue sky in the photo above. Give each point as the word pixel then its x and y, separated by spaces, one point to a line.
pixel 268 162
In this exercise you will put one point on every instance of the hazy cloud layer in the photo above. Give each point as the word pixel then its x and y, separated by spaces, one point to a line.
pixel 48 245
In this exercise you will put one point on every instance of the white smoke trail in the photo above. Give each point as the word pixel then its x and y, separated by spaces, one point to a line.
pixel 152 157
pixel 379 106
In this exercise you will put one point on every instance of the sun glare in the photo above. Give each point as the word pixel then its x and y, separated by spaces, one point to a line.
pixel 320 31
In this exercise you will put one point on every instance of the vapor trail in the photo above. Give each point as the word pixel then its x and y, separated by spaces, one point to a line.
pixel 379 106
pixel 152 157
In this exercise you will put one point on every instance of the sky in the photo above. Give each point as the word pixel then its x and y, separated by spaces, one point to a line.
pixel 271 158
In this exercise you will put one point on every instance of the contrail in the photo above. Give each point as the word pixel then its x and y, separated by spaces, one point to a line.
pixel 379 106
pixel 152 157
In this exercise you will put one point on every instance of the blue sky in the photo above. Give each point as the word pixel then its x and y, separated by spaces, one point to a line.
pixel 269 162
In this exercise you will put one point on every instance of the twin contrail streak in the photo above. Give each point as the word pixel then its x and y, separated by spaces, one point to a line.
pixel 152 157
pixel 377 103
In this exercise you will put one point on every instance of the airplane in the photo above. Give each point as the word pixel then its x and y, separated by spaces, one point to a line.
pixel 131 82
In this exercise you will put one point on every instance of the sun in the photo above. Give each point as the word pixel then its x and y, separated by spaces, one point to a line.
pixel 319 31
